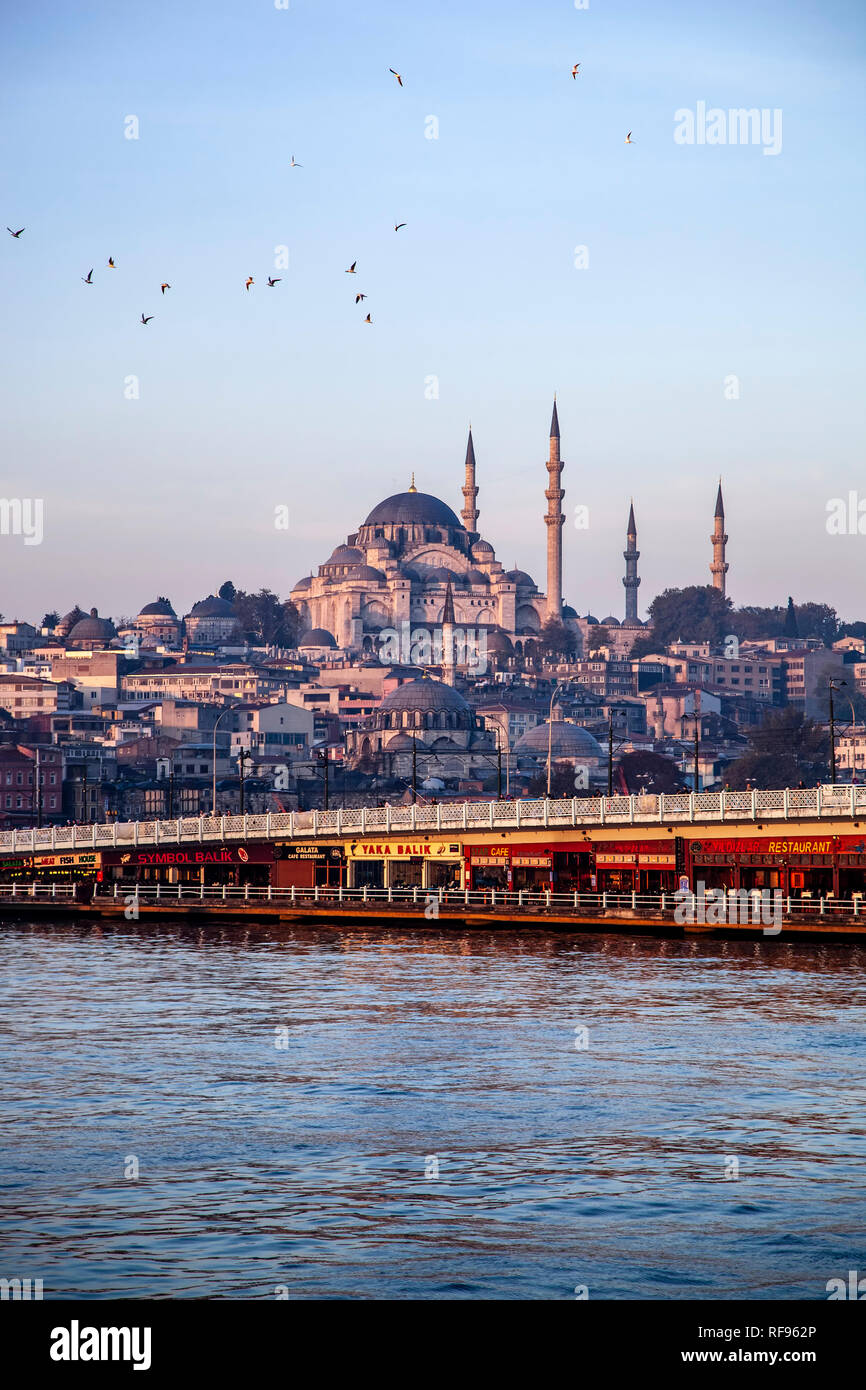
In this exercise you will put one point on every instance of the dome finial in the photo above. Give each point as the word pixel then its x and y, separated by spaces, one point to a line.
pixel 412 487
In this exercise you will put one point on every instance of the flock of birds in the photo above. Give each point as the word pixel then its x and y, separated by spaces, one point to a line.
pixel 276 280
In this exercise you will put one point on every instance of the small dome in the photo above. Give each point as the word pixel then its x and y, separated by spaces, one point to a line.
pixel 477 577
pixel 481 549
pixel 424 694
pixel 303 583
pixel 568 613
pixel 610 621
pixel 211 607
pixel 92 629
pixel 445 745
pixel 160 609
pixel 590 619
pixel 402 743
pixel 317 637
pixel 566 741
pixel 498 642
pixel 346 555
pixel 366 572
pixel 409 508
pixel 442 576
pixel 633 623
pixel 521 579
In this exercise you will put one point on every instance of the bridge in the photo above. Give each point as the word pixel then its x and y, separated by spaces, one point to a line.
pixel 734 808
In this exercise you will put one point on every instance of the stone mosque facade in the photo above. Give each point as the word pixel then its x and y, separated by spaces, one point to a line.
pixel 397 568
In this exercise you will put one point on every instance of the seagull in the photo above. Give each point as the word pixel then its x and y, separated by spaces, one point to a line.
pixel 15 234
pixel 368 319
pixel 86 278
pixel 359 297
pixel 148 319
pixel 351 270
pixel 294 164
pixel 397 75
pixel 250 281
pixel 399 225
pixel 271 282
pixel 628 139
pixel 111 262
pixel 165 286
pixel 574 69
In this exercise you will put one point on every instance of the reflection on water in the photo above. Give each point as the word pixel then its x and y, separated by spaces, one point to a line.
pixel 303 1164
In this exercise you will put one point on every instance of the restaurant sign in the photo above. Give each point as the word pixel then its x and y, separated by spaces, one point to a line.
pixel 403 849
pixel 192 858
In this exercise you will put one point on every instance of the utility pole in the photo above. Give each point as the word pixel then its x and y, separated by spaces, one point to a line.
pixel 697 753
pixel 171 790
pixel 38 787
pixel 498 766
pixel 414 769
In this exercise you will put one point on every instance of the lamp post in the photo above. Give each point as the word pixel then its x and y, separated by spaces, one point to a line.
pixel 559 685
pixel 220 717
pixel 244 756
pixel 832 685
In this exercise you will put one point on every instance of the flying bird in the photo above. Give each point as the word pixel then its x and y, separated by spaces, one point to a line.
pixel 368 319
pixel 165 286
pixel 15 234
pixel 294 164
pixel 574 69
pixel 111 262
pixel 250 281
pixel 87 278
pixel 399 225
pixel 271 282
pixel 359 297
pixel 351 270
pixel 628 139
pixel 397 75
pixel 147 319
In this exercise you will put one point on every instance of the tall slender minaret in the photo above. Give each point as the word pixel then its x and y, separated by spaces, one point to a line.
pixel 719 568
pixel 470 491
pixel 449 652
pixel 631 555
pixel 553 521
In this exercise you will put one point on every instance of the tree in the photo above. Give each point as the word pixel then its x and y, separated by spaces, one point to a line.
pixel 266 619
pixel 562 781
pixel 817 620
pixel 555 639
pixel 50 619
pixel 699 613
pixel 598 637
pixel 643 646
pixel 785 750
pixel 791 629
pixel 227 591
pixel 857 630
pixel 649 772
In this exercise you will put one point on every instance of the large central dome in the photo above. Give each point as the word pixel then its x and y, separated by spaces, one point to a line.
pixel 407 508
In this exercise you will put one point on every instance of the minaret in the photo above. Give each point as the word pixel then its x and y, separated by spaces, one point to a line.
pixel 449 655
pixel 718 569
pixel 631 555
pixel 470 491
pixel 553 521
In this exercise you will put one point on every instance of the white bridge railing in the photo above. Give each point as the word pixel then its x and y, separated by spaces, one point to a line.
pixel 451 817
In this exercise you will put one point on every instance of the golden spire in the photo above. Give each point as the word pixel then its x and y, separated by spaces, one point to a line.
pixel 412 487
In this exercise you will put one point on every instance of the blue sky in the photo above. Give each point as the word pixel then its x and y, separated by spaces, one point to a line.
pixel 704 262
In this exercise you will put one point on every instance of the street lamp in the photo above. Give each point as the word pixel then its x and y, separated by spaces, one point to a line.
pixel 559 685
pixel 220 717
pixel 832 685
pixel 244 756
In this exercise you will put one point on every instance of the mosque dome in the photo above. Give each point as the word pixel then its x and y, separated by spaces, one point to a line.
pixel 212 607
pixel 425 694
pixel 566 741
pixel 610 621
pixel 408 508
pixel 568 612
pixel 346 555
pixel 481 550
pixel 365 572
pixel 160 609
pixel 317 637
pixel 521 579
pixel 92 629
pixel 302 583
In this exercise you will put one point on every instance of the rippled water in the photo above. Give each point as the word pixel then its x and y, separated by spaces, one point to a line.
pixel 304 1166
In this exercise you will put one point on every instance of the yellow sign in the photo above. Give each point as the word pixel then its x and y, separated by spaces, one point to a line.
pixel 403 849
pixel 59 861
